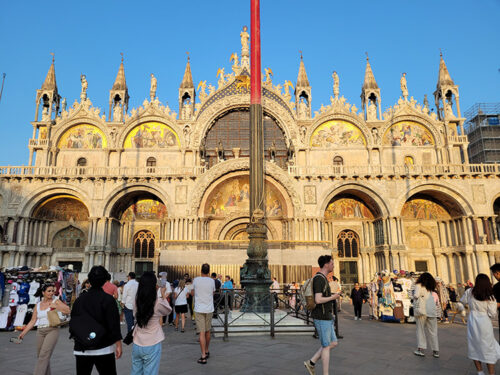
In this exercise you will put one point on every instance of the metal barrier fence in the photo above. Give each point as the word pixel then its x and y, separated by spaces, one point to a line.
pixel 235 313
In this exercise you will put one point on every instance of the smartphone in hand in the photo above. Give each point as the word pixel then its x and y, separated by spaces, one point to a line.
pixel 16 340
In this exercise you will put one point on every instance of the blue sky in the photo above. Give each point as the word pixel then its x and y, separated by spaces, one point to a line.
pixel 88 36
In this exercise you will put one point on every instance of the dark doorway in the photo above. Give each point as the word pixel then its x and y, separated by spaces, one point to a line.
pixel 141 267
pixel 348 272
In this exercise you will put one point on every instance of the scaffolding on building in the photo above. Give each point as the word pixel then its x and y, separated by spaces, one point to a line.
pixel 483 130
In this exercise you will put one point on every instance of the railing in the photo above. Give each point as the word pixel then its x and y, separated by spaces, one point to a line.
pixel 394 170
pixel 457 139
pixel 277 312
pixel 130 172
pixel 296 171
pixel 38 142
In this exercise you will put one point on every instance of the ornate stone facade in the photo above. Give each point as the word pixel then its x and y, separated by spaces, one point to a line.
pixel 148 189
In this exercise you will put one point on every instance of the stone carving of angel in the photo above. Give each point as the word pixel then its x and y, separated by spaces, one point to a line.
pixel 244 39
pixel 154 83
pixel 203 86
pixel 64 104
pixel 336 84
pixel 269 74
pixel 221 76
pixel 404 87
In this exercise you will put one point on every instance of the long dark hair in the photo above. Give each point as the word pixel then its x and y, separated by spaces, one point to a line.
pixel 145 299
pixel 483 290
pixel 427 281
pixel 43 288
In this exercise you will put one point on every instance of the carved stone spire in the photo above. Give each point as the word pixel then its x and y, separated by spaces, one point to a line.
pixel 187 80
pixel 302 80
pixel 369 83
pixel 444 78
pixel 370 95
pixel 118 96
pixel 303 93
pixel 187 94
pixel 446 95
pixel 120 82
pixel 48 95
pixel 50 79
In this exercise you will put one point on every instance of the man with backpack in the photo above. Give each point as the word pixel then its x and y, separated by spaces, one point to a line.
pixel 322 313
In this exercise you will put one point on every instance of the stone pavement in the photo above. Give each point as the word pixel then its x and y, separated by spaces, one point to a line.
pixel 368 347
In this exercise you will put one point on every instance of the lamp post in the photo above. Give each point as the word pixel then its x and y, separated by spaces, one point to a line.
pixel 255 275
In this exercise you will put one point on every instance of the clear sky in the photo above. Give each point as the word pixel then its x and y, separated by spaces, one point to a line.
pixel 88 36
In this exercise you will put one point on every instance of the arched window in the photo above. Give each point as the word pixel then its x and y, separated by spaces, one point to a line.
pixel 144 244
pixel 229 137
pixel 150 165
pixel 337 160
pixel 82 162
pixel 348 244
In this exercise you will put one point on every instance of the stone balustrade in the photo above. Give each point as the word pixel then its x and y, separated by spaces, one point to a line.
pixel 38 142
pixel 99 172
pixel 457 139
pixel 395 170
pixel 351 171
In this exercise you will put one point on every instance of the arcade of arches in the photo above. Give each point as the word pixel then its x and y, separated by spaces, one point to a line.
pixel 153 188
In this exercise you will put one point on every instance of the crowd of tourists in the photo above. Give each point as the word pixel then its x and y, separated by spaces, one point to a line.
pixel 98 307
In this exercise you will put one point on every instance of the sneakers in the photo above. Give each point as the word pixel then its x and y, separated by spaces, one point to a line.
pixel 435 354
pixel 359 318
pixel 355 318
pixel 309 367
pixel 419 353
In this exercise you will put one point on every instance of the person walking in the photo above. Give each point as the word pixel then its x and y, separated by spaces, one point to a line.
pixel 46 336
pixel 275 289
pixel 426 312
pixel 203 292
pixel 148 334
pixel 481 344
pixel 181 307
pixel 323 315
pixel 357 299
pixel 128 298
pixel 95 327
pixel 495 270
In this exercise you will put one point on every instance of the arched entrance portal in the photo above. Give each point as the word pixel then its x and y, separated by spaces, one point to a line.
pixel 348 253
pixel 140 217
pixel 144 251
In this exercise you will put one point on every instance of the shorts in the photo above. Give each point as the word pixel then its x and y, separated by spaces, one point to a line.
pixel 181 309
pixel 203 322
pixel 326 331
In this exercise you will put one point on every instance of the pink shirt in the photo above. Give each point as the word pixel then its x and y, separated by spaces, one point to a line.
pixel 152 334
pixel 110 288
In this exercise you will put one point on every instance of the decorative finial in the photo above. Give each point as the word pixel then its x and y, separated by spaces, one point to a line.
pixel 121 53
pixel 187 53
pixel 53 56
pixel 300 54
pixel 367 58
pixel 440 53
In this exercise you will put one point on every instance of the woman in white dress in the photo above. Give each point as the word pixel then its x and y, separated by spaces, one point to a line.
pixel 482 346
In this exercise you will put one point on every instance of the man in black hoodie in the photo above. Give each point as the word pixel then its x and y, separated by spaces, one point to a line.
pixel 95 327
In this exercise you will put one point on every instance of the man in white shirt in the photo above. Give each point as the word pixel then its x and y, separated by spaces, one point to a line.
pixel 275 289
pixel 203 292
pixel 128 298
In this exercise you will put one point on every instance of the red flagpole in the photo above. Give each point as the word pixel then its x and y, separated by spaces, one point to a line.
pixel 255 68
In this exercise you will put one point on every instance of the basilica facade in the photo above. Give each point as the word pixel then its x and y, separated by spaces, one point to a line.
pixel 150 189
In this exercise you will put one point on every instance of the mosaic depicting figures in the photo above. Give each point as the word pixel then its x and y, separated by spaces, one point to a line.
pixel 423 209
pixel 62 208
pixel 337 133
pixel 145 209
pixel 151 135
pixel 348 208
pixel 83 137
pixel 233 195
pixel 408 133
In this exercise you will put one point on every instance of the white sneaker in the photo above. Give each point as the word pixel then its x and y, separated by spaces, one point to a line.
pixel 359 318
pixel 355 318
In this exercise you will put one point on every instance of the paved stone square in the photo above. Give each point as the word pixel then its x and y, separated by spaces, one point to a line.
pixel 368 347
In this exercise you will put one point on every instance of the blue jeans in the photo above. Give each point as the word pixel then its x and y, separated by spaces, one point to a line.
pixel 326 331
pixel 129 318
pixel 146 359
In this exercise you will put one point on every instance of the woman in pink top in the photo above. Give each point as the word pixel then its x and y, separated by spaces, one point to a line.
pixel 148 333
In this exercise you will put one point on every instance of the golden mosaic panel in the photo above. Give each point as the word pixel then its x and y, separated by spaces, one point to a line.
pixel 152 135
pixel 408 133
pixel 337 133
pixel 423 209
pixel 348 208
pixel 145 209
pixel 83 136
